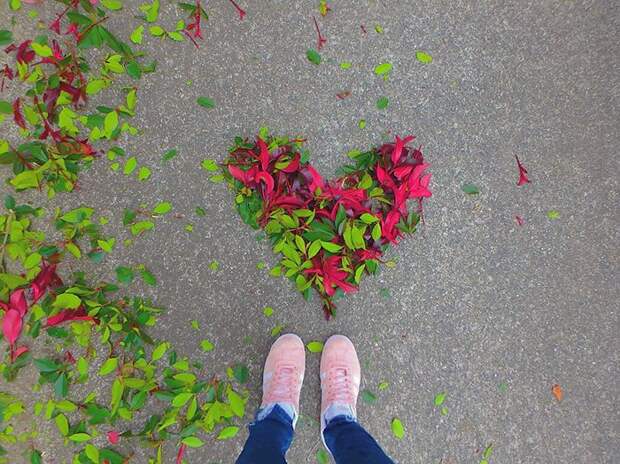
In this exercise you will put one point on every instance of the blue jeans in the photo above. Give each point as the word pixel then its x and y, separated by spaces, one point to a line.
pixel 271 436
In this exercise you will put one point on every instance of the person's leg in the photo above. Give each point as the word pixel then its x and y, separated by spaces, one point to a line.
pixel 271 433
pixel 343 436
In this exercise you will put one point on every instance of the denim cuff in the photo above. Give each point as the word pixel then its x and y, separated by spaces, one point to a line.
pixel 282 412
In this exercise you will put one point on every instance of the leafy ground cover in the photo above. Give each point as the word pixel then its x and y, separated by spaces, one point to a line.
pixel 76 330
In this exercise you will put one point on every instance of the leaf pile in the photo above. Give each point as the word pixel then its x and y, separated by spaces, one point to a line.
pixel 330 233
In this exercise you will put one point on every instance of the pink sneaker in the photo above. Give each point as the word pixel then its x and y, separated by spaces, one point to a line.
pixel 284 373
pixel 340 379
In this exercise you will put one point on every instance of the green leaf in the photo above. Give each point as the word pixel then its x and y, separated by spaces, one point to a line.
pixel 182 398
pixel 383 386
pixel 382 103
pixel 112 4
pixel 227 433
pixel 368 218
pixel 36 457
pixel 169 154
pixel 62 424
pixel 148 277
pixel 209 165
pixel 124 274
pixel 470 189
pixel 46 365
pixel 241 372
pixel 141 226
pixel 192 442
pixel 440 398
pixel 79 437
pixel 162 208
pixel 553 214
pixel 5 108
pixel 206 102
pixel 361 124
pixel 130 165
pixel 397 428
pixel 313 56
pixel 268 311
pixel 61 386
pixel 110 123
pixel 41 50
pixel 159 352
pixel 144 173
pixel 206 346
pixel 331 247
pixel 108 366
pixel 315 347
pixel 136 35
pixel 92 453
pixel 322 457
pixel 368 396
pixel 423 57
pixel 383 68
pixel 345 65
pixel 67 301
pixel 6 37
pixel 156 31
pixel 26 179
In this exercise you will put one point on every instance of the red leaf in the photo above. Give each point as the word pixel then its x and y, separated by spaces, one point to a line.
pixel 522 173
pixel 237 173
pixel 12 326
pixel 267 179
pixel 264 154
pixel 17 301
pixel 398 147
pixel 68 315
pixel 18 352
pixel 317 180
pixel 293 165
pixel 180 453
pixel 18 117
pixel 113 437
pixel 519 220
pixel 44 279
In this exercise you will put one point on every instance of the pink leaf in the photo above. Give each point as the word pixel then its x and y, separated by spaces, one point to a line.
pixel 180 453
pixel 264 154
pixel 267 179
pixel 68 315
pixel 113 436
pixel 12 326
pixel 18 352
pixel 522 173
pixel 17 301
pixel 398 147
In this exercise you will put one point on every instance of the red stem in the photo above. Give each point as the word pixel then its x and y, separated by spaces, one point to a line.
pixel 321 40
pixel 241 12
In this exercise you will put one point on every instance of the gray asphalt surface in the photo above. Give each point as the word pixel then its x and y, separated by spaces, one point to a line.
pixel 491 313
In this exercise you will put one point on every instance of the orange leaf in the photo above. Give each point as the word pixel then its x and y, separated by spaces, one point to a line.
pixel 557 392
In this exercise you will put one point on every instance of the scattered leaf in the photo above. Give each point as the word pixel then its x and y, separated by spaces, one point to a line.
pixel 423 57
pixel 397 428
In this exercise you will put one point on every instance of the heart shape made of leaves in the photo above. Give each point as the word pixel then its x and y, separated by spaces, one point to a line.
pixel 330 232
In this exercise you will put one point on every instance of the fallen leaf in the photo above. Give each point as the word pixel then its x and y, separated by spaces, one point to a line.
pixel 523 179
pixel 315 347
pixel 397 428
pixel 423 57
pixel 313 56
pixel 557 392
